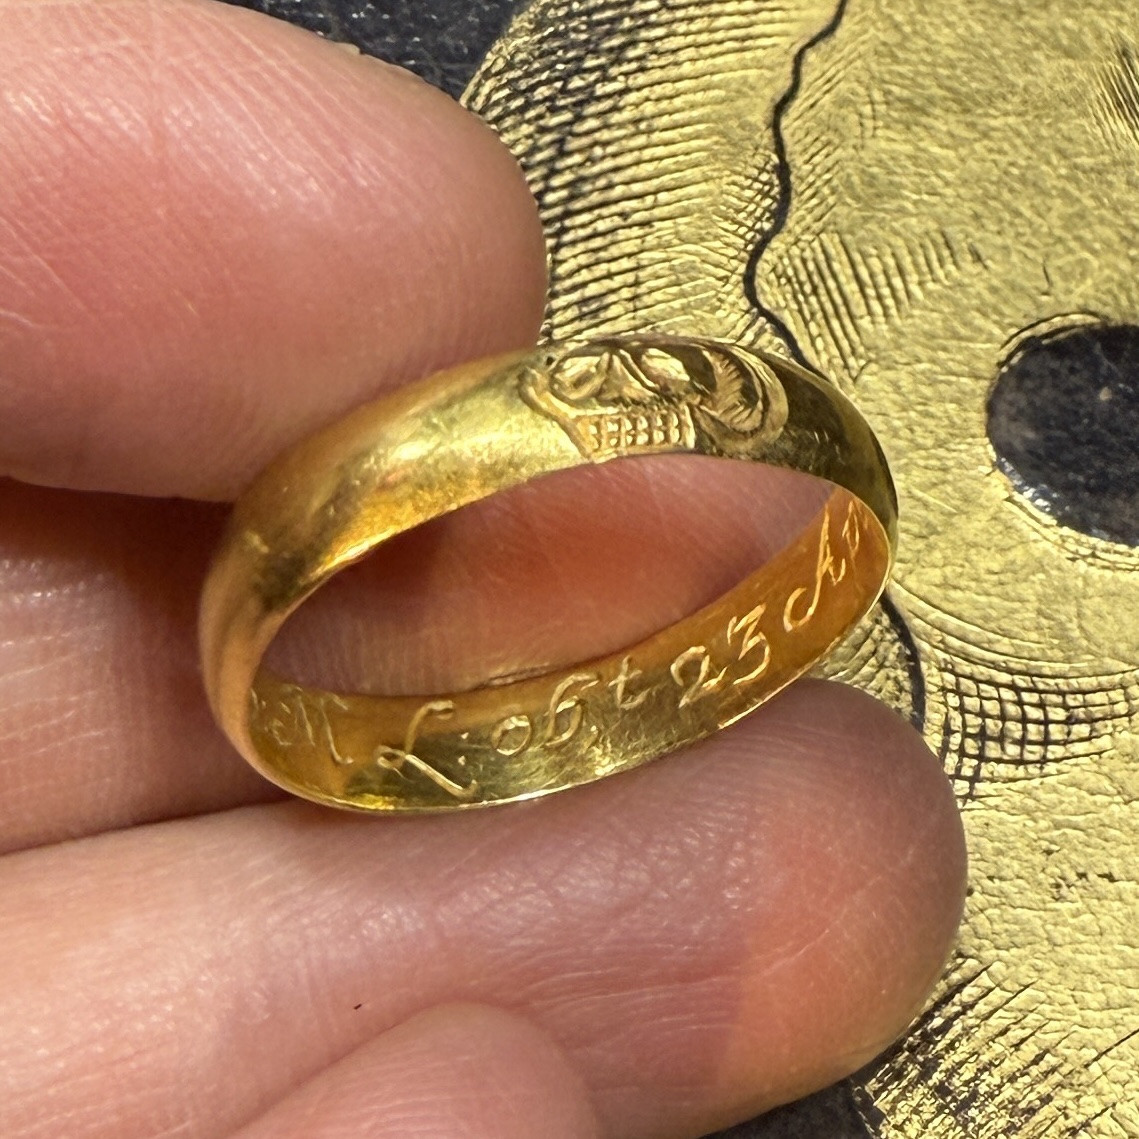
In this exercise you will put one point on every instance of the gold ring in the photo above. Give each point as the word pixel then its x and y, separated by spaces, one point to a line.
pixel 469 432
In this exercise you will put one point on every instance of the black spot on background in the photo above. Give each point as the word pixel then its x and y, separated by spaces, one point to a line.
pixel 443 41
pixel 1063 419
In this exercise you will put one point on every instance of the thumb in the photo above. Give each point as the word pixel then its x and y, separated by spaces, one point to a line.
pixel 460 1070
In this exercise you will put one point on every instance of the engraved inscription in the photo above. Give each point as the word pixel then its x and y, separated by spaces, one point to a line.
pixel 699 682
pixel 564 718
pixel 569 714
pixel 694 671
pixel 396 759
pixel 512 735
pixel 324 730
pixel 827 567
pixel 619 685
pixel 567 709
pixel 753 645
pixel 301 716
pixel 852 531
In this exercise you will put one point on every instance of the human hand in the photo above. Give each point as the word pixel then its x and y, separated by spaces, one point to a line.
pixel 216 233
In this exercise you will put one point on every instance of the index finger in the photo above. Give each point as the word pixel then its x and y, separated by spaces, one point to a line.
pixel 218 232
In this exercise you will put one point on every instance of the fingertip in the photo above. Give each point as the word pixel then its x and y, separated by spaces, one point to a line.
pixel 878 868
pixel 706 937
pixel 457 1070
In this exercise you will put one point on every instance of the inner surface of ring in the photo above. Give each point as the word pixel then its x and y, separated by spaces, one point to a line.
pixel 541 734
pixel 569 566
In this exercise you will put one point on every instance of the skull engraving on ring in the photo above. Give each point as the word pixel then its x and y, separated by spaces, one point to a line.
pixel 653 394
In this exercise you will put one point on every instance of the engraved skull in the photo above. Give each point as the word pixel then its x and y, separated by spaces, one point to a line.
pixel 653 394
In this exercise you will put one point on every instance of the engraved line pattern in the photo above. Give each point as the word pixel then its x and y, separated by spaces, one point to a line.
pixel 766 234
pixel 642 75
pixel 880 657
pixel 1004 717
pixel 847 291
pixel 1116 102
pixel 976 1065
pixel 1003 720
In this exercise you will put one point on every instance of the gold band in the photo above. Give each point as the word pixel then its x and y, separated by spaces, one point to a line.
pixel 470 432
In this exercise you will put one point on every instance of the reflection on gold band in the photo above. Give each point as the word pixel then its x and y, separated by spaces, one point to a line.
pixel 471 432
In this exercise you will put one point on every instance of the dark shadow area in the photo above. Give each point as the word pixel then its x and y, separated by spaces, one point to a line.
pixel 1063 419
pixel 443 41
pixel 832 1113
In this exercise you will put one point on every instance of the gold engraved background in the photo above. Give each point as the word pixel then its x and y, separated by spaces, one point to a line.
pixel 898 192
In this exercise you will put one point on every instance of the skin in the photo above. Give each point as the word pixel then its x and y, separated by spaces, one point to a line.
pixel 216 233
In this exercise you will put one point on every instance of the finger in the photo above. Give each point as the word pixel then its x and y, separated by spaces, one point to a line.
pixel 103 722
pixel 468 1071
pixel 218 231
pixel 102 718
pixel 709 936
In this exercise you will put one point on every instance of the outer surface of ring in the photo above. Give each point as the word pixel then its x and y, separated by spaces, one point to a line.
pixel 469 432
